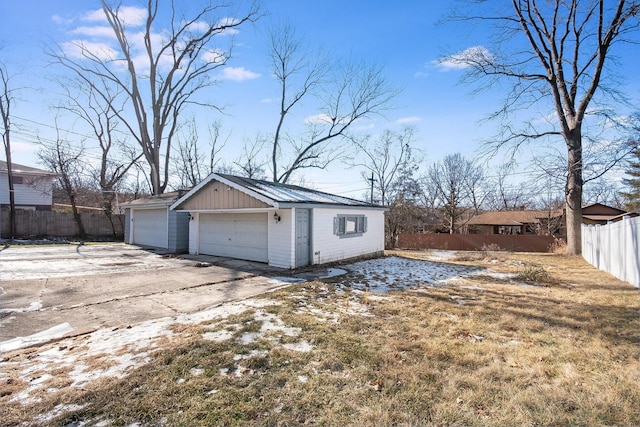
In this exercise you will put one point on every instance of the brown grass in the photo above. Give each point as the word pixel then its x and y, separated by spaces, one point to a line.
pixel 491 353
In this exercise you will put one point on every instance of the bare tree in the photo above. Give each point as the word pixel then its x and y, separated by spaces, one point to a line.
pixel 555 53
pixel 99 113
pixel 454 182
pixel 191 163
pixel 68 163
pixel 6 98
pixel 250 163
pixel 383 160
pixel 177 65
pixel 348 92
pixel 505 195
pixel 389 168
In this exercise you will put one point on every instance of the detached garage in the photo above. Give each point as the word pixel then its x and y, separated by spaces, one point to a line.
pixel 282 225
pixel 150 223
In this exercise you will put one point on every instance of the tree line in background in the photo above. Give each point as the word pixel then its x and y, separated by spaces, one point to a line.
pixel 139 112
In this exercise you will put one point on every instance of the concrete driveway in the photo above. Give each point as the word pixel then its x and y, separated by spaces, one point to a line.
pixel 85 287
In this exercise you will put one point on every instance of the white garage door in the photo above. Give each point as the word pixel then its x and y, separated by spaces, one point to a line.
pixel 150 227
pixel 242 236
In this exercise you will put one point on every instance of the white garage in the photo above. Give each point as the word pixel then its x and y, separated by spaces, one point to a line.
pixel 149 227
pixel 242 235
pixel 283 225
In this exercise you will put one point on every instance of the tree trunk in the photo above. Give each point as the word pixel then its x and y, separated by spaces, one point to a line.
pixel 12 195
pixel 573 196
pixel 76 216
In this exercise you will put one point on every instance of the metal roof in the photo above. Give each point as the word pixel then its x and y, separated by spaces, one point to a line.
pixel 286 193
pixel 276 194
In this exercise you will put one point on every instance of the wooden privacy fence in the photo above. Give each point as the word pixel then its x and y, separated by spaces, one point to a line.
pixel 476 242
pixel 614 248
pixel 30 224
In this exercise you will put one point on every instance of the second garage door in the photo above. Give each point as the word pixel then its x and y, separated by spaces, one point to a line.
pixel 150 227
pixel 242 236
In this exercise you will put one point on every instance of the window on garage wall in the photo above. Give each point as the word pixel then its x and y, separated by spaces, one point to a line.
pixel 349 225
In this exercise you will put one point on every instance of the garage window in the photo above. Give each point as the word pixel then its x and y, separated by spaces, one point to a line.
pixel 349 225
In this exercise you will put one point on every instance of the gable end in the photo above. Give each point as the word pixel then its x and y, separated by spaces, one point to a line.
pixel 216 195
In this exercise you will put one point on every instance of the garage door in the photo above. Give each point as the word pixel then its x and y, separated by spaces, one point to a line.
pixel 242 236
pixel 150 227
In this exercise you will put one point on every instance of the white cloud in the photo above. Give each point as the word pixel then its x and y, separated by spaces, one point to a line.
pixel 228 21
pixel 95 16
pixel 319 119
pixel 408 120
pixel 60 20
pixel 214 56
pixel 129 15
pixel 198 27
pixel 267 101
pixel 80 48
pixel 421 75
pixel 98 31
pixel 238 74
pixel 464 59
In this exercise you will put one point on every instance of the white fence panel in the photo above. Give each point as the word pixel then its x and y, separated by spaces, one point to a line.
pixel 614 248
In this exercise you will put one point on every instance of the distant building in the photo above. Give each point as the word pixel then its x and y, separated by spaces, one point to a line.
pixel 33 187
pixel 540 222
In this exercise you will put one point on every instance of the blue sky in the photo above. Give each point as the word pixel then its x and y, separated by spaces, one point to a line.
pixel 404 36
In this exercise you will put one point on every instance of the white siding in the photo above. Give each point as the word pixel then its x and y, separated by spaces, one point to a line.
pixel 327 247
pixel 39 193
pixel 194 226
pixel 281 240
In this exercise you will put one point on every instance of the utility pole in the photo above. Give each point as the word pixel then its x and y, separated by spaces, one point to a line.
pixel 372 180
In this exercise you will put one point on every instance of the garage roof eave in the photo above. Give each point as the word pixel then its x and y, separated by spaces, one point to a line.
pixel 278 195
pixel 308 205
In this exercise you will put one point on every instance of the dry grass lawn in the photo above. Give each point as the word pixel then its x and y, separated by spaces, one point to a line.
pixel 560 350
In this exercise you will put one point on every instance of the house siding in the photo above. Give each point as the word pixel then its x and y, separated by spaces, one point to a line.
pixel 37 194
pixel 127 226
pixel 327 247
pixel 194 226
pixel 281 234
pixel 217 195
pixel 178 227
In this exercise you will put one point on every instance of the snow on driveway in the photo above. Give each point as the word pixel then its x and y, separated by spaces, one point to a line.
pixel 112 352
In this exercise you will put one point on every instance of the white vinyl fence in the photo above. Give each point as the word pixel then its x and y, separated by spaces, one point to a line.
pixel 614 248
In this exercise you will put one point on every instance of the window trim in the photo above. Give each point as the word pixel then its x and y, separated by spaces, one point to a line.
pixel 341 225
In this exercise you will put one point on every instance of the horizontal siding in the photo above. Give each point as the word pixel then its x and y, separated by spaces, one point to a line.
pixel 37 194
pixel 178 231
pixel 328 247
pixel 127 226
pixel 280 240
pixel 193 234
pixel 220 196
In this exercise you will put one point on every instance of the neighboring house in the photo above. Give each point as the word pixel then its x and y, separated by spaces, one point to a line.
pixel 283 225
pixel 517 222
pixel 33 187
pixel 149 222
pixel 542 222
pixel 597 213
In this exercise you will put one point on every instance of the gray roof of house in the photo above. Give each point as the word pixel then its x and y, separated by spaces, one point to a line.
pixel 287 193
pixel 159 200
pixel 24 170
